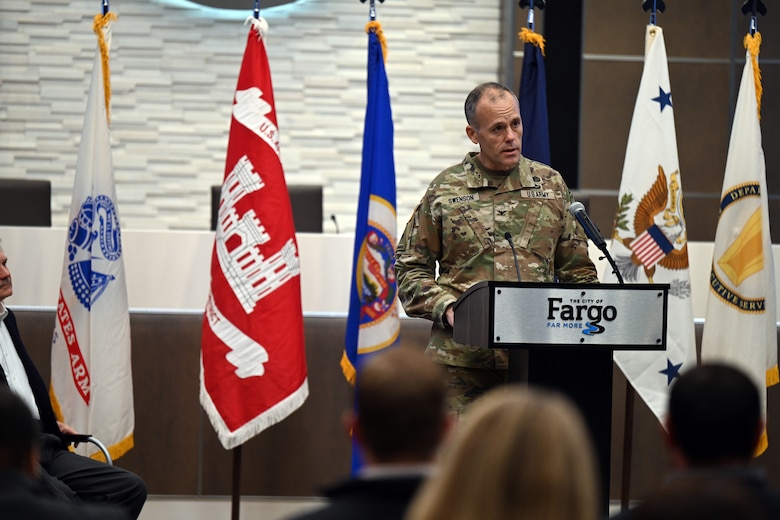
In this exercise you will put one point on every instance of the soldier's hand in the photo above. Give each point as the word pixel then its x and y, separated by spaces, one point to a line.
pixel 450 315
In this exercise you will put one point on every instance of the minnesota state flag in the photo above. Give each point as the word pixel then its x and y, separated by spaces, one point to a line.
pixel 649 242
pixel 741 328
pixel 373 323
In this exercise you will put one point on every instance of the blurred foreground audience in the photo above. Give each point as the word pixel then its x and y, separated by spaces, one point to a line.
pixel 398 423
pixel 518 453
pixel 21 494
pixel 713 428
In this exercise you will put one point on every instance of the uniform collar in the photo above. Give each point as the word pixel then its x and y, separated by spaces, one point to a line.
pixel 520 177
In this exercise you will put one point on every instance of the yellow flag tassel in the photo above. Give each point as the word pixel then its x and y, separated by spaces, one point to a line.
pixel 375 26
pixel 753 45
pixel 98 23
pixel 526 35
pixel 349 371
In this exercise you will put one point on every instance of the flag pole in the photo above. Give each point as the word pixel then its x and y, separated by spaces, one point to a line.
pixel 753 7
pixel 628 414
pixel 530 4
pixel 654 6
pixel 372 8
pixel 235 493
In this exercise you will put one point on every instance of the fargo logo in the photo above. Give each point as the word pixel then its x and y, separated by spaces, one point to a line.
pixel 571 315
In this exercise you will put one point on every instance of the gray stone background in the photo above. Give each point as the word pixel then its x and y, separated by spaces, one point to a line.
pixel 174 67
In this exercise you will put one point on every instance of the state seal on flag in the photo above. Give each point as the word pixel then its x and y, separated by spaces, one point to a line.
pixel 376 279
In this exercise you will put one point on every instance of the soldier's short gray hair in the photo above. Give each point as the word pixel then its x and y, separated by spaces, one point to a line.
pixel 476 94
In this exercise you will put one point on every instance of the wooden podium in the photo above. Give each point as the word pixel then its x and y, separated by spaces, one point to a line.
pixel 561 336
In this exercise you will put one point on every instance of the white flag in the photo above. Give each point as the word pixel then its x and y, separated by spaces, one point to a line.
pixel 649 242
pixel 91 379
pixel 741 324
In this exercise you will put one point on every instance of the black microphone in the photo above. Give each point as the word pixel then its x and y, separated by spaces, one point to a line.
pixel 508 236
pixel 577 211
pixel 333 218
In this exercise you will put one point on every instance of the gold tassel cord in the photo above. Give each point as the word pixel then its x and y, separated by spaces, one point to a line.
pixel 753 45
pixel 526 35
pixel 376 27
pixel 99 22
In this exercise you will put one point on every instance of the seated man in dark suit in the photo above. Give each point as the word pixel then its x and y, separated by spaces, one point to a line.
pixel 20 495
pixel 64 474
pixel 399 422
pixel 713 427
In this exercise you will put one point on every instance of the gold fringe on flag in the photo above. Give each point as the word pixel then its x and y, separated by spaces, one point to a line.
pixel 528 36
pixel 350 374
pixel 375 26
pixel 753 44
pixel 99 22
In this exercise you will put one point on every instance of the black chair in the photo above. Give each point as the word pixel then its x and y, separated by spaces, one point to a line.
pixel 306 201
pixel 25 203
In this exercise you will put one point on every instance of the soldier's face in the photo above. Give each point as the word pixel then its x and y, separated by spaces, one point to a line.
pixel 498 130
pixel 6 288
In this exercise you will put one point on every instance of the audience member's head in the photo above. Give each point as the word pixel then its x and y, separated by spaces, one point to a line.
pixel 701 496
pixel 400 414
pixel 714 417
pixel 18 434
pixel 518 453
pixel 6 285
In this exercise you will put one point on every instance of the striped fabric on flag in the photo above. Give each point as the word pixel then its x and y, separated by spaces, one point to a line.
pixel 651 246
pixel 91 377
pixel 253 360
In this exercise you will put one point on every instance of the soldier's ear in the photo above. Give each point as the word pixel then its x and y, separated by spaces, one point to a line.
pixel 471 132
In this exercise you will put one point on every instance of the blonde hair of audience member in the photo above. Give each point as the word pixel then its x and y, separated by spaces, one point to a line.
pixel 518 453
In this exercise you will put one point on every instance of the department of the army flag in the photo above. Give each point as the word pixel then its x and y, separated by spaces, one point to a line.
pixel 373 323
pixel 253 360
pixel 740 326
pixel 533 98
pixel 91 377
pixel 649 242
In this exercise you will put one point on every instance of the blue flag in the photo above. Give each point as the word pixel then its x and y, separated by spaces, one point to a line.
pixel 533 99
pixel 373 323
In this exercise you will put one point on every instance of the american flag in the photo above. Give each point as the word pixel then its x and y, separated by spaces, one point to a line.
pixel 651 246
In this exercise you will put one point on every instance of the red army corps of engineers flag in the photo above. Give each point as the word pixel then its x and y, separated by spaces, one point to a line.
pixel 253 365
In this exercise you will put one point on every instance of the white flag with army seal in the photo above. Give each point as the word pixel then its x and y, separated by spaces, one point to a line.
pixel 741 321
pixel 91 378
pixel 649 242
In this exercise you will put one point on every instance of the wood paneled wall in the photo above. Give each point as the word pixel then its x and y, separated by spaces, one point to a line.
pixel 177 452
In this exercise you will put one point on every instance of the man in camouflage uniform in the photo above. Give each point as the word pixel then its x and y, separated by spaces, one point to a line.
pixel 461 225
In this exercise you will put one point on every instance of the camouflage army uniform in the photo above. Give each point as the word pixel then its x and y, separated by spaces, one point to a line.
pixel 460 225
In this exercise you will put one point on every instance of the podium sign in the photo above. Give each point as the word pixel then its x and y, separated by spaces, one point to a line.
pixel 549 315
